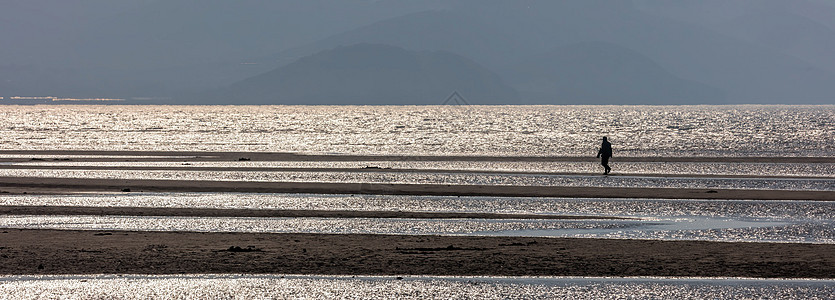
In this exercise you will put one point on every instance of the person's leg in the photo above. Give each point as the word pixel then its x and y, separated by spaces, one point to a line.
pixel 605 163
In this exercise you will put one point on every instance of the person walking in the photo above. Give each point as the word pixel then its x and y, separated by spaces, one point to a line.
pixel 604 153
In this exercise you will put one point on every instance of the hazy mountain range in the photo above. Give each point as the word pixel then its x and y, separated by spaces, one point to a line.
pixel 491 51
pixel 369 74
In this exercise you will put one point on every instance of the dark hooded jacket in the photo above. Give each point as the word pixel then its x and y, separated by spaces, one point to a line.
pixel 605 149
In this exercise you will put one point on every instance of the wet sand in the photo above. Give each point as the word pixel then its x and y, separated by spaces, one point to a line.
pixel 106 252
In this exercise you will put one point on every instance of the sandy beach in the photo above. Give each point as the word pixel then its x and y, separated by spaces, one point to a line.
pixel 34 251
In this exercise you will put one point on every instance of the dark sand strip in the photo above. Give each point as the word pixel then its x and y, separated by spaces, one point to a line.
pixel 386 170
pixel 68 185
pixel 267 156
pixel 98 252
pixel 273 213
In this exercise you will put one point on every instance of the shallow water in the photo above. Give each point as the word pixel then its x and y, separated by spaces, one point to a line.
pixel 743 130
pixel 58 158
pixel 776 210
pixel 679 168
pixel 816 184
pixel 206 286
pixel 693 228
pixel 707 220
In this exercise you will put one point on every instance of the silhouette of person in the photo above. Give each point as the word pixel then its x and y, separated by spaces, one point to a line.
pixel 604 153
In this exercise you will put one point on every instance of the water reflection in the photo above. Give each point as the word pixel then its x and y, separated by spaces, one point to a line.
pixel 676 168
pixel 444 178
pixel 710 220
pixel 693 228
pixel 720 131
pixel 207 286
pixel 641 208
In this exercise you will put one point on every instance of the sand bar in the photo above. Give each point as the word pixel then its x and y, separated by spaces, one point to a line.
pixel 106 252
pixel 41 185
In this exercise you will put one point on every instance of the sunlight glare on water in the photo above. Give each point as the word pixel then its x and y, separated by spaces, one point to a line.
pixel 775 210
pixel 636 131
pixel 746 130
pixel 712 220
pixel 749 169
pixel 680 228
pixel 344 287
pixel 818 184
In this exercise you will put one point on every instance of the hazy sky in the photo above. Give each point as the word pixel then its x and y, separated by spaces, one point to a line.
pixel 608 51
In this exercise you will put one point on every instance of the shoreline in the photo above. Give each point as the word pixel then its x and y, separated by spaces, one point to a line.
pixel 128 252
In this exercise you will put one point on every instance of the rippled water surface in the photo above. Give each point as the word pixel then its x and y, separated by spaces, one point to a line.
pixel 823 170
pixel 490 130
pixel 693 228
pixel 814 210
pixel 331 287
pixel 815 184
pixel 708 220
